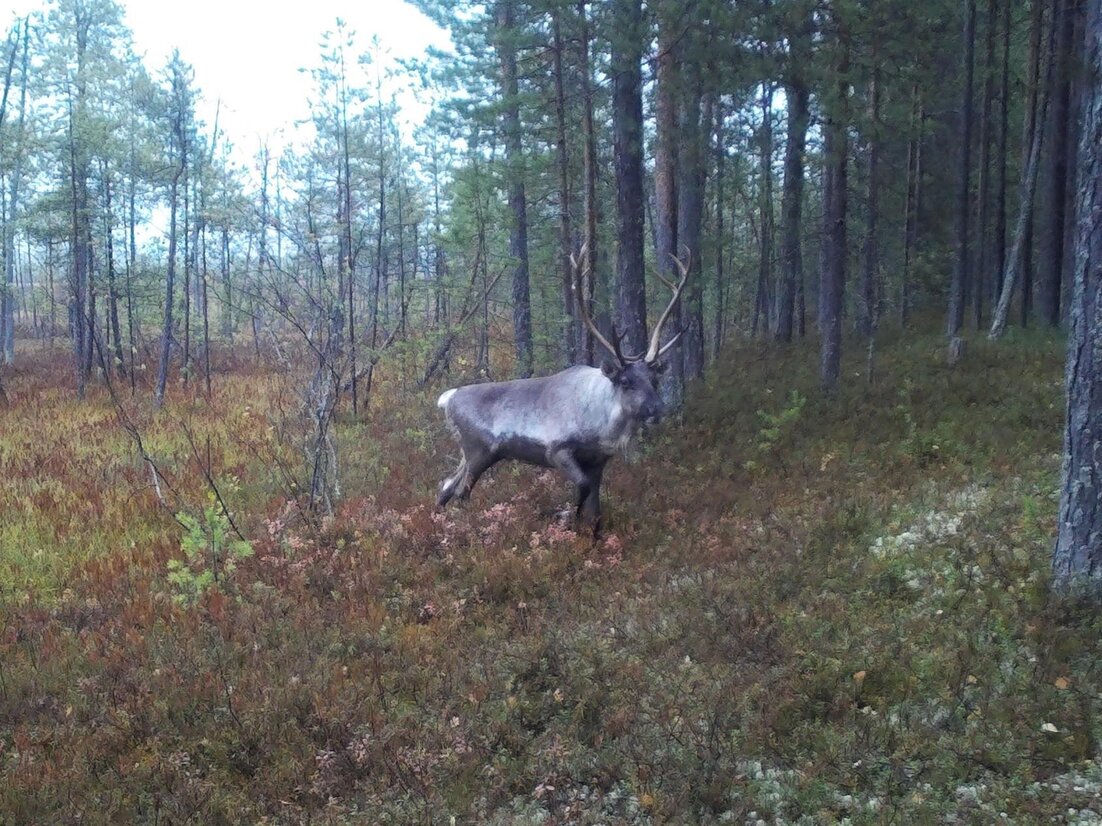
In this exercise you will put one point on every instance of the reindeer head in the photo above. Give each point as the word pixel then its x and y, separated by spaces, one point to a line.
pixel 635 377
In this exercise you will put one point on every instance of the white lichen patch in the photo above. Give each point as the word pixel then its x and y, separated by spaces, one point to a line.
pixel 933 526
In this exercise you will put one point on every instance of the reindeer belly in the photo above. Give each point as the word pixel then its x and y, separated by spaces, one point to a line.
pixel 522 449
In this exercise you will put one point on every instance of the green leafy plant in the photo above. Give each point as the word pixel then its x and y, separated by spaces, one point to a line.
pixel 211 554
pixel 777 428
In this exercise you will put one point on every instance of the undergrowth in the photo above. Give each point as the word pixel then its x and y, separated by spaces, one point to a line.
pixel 803 610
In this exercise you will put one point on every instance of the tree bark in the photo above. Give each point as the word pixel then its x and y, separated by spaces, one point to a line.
pixel 798 97
pixel 80 237
pixel 518 207
pixel 1051 260
pixel 7 296
pixel 582 335
pixel 1077 556
pixel 179 101
pixel 1001 152
pixel 984 193
pixel 763 304
pixel 1022 249
pixel 114 328
pixel 690 217
pixel 720 238
pixel 665 193
pixel 569 344
pixel 627 127
pixel 870 298
pixel 961 283
pixel 1029 125
pixel 832 272
pixel 910 207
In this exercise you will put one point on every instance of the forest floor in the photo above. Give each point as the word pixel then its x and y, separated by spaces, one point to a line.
pixel 803 610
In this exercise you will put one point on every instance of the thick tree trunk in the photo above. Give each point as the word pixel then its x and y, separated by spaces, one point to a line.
pixel 627 127
pixel 180 115
pixel 581 333
pixel 518 207
pixel 798 97
pixel 1001 153
pixel 832 273
pixel 870 297
pixel 80 232
pixel 961 283
pixel 667 140
pixel 569 344
pixel 690 216
pixel 7 296
pixel 1029 125
pixel 1075 95
pixel 984 194
pixel 1051 261
pixel 1077 557
pixel 1021 251
pixel 910 206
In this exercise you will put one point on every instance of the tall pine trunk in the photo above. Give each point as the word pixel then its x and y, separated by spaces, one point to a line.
pixel 170 285
pixel 984 194
pixel 518 207
pixel 911 204
pixel 1051 260
pixel 665 192
pixel 582 334
pixel 870 298
pixel 690 216
pixel 1077 556
pixel 798 97
pixel 961 283
pixel 114 328
pixel 627 128
pixel 1021 251
pixel 763 304
pixel 999 242
pixel 7 296
pixel 569 343
pixel 832 271
pixel 720 206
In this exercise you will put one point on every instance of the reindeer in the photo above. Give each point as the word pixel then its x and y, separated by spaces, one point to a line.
pixel 573 421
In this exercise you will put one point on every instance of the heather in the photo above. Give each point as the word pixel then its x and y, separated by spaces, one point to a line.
pixel 801 610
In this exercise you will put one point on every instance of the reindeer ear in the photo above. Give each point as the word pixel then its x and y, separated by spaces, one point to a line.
pixel 659 367
pixel 610 369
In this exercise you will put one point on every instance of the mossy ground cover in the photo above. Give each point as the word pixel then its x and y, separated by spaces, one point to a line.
pixel 802 609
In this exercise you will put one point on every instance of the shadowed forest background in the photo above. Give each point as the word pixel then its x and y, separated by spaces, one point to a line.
pixel 825 592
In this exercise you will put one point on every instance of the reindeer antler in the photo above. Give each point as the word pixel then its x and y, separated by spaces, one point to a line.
pixel 654 351
pixel 580 295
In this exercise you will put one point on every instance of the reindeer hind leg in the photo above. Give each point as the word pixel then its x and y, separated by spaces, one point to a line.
pixel 479 463
pixel 449 485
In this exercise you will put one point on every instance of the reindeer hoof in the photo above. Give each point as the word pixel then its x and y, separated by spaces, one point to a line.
pixel 563 518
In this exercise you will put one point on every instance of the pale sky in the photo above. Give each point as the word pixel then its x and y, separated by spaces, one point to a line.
pixel 248 53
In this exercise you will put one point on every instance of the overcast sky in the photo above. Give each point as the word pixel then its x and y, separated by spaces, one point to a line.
pixel 248 52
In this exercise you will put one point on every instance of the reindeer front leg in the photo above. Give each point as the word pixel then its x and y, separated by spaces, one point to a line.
pixel 587 480
pixel 591 506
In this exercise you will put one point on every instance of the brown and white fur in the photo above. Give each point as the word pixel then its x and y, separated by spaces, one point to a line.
pixel 573 421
